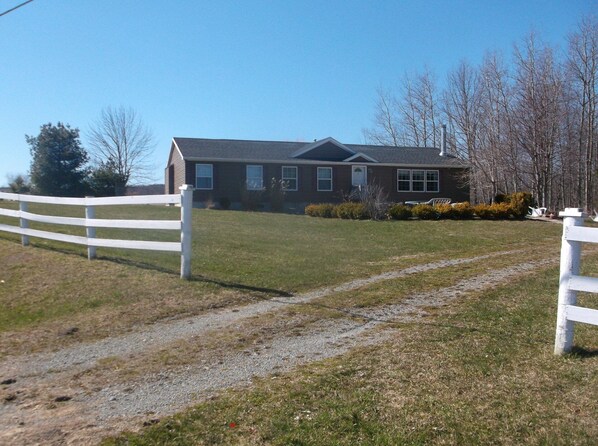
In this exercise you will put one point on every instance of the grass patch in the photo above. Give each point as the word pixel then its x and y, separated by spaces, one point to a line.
pixel 291 253
pixel 483 373
pixel 238 257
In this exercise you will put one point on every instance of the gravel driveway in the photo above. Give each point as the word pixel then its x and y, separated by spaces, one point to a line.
pixel 33 412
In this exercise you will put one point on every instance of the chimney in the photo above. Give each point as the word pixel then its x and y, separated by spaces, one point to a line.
pixel 443 140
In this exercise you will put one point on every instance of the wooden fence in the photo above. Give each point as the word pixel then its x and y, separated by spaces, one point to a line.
pixel 184 199
pixel 571 282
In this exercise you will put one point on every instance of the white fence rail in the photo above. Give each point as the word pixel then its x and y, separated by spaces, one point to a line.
pixel 571 282
pixel 184 199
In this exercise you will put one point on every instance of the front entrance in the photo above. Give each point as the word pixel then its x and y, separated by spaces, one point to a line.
pixel 359 176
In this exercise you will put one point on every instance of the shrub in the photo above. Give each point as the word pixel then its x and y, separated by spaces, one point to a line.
pixel 463 211
pixel 501 211
pixel 373 197
pixel 501 198
pixel 495 211
pixel 520 203
pixel 324 210
pixel 352 211
pixel 445 211
pixel 483 211
pixel 399 212
pixel 424 212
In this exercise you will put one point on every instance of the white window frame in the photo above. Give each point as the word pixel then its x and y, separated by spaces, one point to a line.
pixel 407 181
pixel 422 181
pixel 285 179
pixel 260 185
pixel 437 180
pixel 425 180
pixel 323 179
pixel 211 177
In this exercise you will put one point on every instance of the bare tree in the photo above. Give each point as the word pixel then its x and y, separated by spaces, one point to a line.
pixel 530 124
pixel 538 113
pixel 122 143
pixel 412 118
pixel 582 67
pixel 495 160
pixel 386 126
pixel 419 110
pixel 462 107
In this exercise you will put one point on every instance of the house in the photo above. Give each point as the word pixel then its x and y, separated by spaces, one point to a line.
pixel 228 171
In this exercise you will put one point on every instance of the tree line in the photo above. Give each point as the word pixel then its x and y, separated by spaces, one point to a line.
pixel 527 124
pixel 120 153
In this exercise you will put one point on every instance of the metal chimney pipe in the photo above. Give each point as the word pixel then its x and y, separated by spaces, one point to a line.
pixel 443 140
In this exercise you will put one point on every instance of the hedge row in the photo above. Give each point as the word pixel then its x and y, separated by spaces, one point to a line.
pixel 514 206
pixel 348 210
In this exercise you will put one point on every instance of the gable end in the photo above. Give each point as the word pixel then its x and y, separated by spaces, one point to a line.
pixel 327 149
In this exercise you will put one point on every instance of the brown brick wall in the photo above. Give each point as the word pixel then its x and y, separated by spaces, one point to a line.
pixel 229 179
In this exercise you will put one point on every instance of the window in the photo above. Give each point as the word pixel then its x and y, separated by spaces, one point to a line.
pixel 432 181
pixel 324 178
pixel 204 176
pixel 255 177
pixel 289 177
pixel 418 180
pixel 404 180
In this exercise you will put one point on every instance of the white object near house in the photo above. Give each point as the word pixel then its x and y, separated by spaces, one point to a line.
pixel 184 226
pixel 570 282
pixel 537 212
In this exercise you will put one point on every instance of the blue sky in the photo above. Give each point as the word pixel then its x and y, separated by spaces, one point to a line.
pixel 274 70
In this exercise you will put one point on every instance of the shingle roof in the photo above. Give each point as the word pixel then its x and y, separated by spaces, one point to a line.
pixel 280 151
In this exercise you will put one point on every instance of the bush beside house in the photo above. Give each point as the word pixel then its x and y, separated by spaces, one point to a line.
pixel 512 206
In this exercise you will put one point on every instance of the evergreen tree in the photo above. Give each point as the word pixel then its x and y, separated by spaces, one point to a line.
pixel 58 161
pixel 105 181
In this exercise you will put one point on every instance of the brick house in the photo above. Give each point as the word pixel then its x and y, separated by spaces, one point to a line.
pixel 322 171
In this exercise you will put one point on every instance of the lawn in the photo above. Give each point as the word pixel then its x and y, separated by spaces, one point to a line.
pixel 290 253
pixel 237 257
pixel 481 371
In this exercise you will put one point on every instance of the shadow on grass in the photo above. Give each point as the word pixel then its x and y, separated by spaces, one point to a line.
pixel 580 352
pixel 196 277
pixel 73 251
pixel 239 286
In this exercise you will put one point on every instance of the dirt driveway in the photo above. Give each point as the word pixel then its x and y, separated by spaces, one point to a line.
pixel 79 394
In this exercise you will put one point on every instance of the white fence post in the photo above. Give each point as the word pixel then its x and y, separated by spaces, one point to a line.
pixel 186 229
pixel 90 213
pixel 570 258
pixel 23 222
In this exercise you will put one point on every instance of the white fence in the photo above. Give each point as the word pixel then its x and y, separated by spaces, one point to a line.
pixel 184 199
pixel 571 282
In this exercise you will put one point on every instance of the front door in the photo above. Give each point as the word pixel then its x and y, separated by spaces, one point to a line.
pixel 359 176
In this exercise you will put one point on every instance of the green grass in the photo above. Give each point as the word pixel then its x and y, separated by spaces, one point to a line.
pixel 237 256
pixel 484 373
pixel 480 371
pixel 291 253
